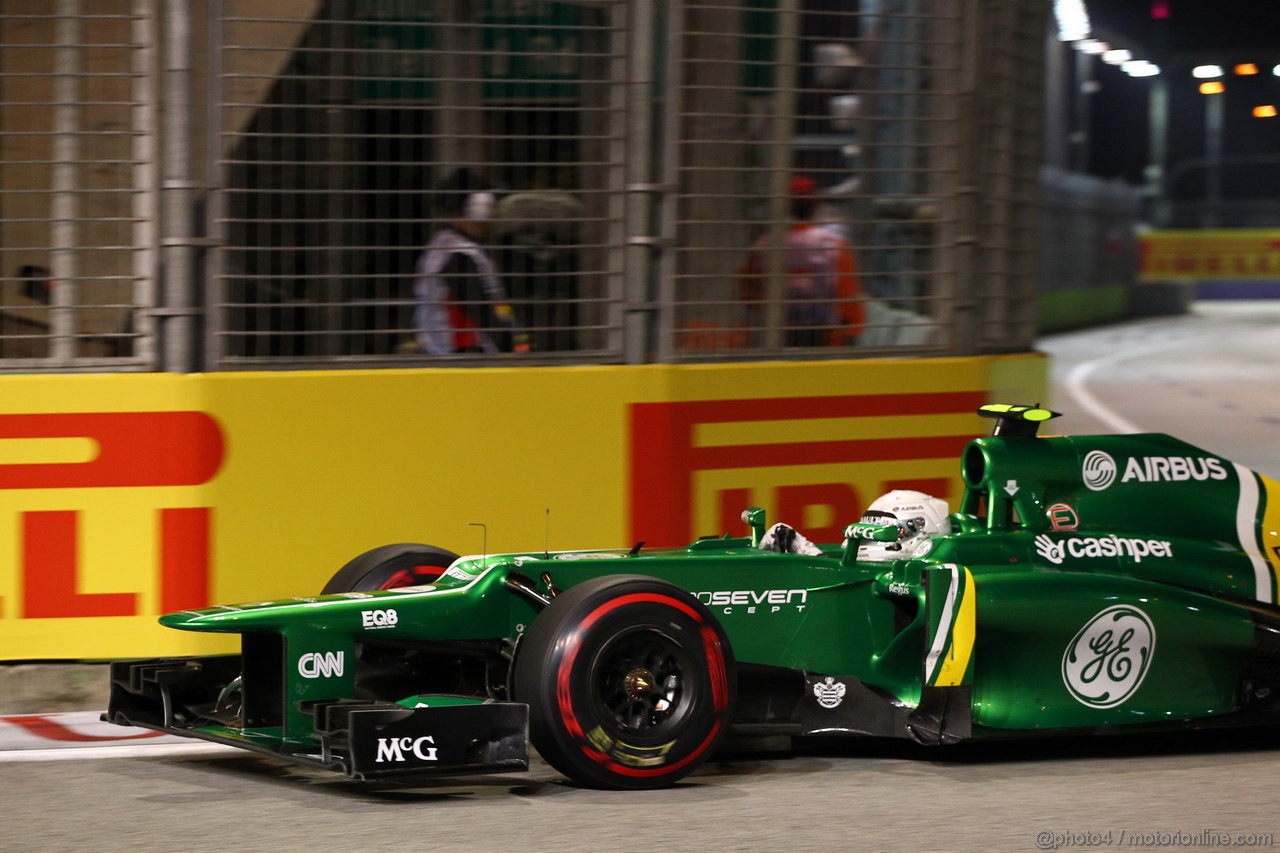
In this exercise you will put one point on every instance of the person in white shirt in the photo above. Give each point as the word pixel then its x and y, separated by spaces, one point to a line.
pixel 462 306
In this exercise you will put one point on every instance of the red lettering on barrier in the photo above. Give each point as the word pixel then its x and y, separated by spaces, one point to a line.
pixel 134 449
pixel 939 487
pixel 665 457
pixel 49 572
pixel 842 501
pixel 732 503
pixel 50 566
pixel 184 559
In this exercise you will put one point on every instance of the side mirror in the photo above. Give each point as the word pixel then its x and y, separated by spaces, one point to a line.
pixel 863 531
pixel 754 516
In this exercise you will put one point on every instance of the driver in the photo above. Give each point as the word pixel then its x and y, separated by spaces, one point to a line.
pixel 919 515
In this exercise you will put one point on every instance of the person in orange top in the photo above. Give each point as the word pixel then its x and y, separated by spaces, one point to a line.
pixel 824 305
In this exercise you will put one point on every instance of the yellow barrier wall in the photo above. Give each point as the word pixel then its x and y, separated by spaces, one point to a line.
pixel 125 496
pixel 1227 253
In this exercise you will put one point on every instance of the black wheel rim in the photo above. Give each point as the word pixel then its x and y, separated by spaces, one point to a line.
pixel 643 686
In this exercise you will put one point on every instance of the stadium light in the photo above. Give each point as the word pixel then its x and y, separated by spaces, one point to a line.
pixel 1140 68
pixel 1213 87
pixel 1072 18
pixel 1208 72
pixel 1265 111
pixel 1116 57
pixel 1093 46
pixel 1246 69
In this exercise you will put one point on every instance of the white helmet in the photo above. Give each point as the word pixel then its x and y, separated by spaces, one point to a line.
pixel 919 515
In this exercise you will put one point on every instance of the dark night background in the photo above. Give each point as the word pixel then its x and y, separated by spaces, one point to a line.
pixel 1196 32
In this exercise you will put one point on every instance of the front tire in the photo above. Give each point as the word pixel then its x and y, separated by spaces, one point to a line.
pixel 630 682
pixel 390 567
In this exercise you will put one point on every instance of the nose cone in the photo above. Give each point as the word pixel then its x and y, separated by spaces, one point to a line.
pixel 234 618
pixel 192 620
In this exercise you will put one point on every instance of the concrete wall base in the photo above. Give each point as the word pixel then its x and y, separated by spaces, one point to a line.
pixel 40 688
pixel 1161 298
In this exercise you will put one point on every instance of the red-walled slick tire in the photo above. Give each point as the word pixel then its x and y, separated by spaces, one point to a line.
pixel 389 567
pixel 630 682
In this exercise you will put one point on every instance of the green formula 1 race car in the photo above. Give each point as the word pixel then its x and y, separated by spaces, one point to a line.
pixel 1085 584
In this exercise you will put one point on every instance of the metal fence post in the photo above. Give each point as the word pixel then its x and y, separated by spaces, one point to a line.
pixel 178 312
pixel 213 269
pixel 968 203
pixel 784 130
pixel 641 245
pixel 668 199
pixel 64 230
pixel 145 29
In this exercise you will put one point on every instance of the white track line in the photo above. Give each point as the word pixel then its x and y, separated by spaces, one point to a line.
pixel 95 752
pixel 1079 375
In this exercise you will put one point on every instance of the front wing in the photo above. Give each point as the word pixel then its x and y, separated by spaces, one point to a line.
pixel 364 740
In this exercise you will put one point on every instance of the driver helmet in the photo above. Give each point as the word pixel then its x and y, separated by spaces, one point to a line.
pixel 919 515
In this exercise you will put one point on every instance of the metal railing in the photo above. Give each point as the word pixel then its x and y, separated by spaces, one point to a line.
pixel 77 184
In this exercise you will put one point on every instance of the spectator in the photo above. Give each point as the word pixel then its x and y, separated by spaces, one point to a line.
pixel 824 297
pixel 461 305
pixel 539 261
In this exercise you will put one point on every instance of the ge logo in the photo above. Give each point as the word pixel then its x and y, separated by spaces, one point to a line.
pixel 1099 470
pixel 1108 658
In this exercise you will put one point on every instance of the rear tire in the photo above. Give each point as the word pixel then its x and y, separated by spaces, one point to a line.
pixel 630 682
pixel 390 567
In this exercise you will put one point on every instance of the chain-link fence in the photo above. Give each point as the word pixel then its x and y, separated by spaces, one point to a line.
pixel 405 182
pixel 1089 240
pixel 77 184
pixel 918 124
pixel 349 137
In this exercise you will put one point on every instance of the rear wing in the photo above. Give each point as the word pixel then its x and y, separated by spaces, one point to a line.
pixel 1016 421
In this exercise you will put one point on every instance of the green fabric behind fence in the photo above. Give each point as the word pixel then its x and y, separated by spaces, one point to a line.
pixel 1069 309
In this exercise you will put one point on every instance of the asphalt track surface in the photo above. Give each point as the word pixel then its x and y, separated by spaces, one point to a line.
pixel 1212 378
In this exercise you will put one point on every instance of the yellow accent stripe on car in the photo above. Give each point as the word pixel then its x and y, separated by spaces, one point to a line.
pixel 955 662
pixel 1269 534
